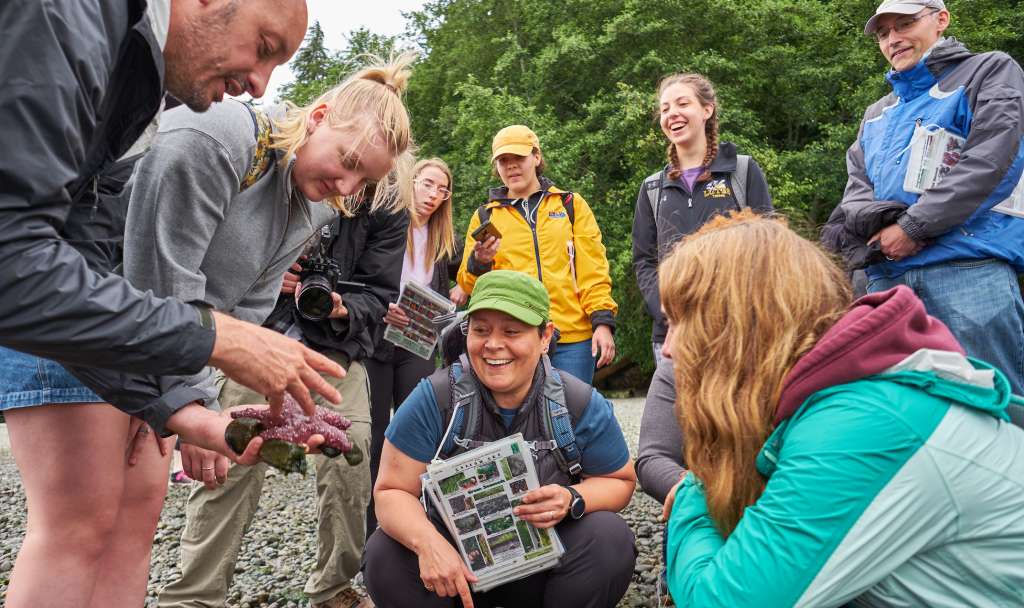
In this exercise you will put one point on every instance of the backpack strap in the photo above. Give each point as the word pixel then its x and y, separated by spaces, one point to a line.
pixel 652 183
pixel 483 213
pixel 558 420
pixel 452 402
pixel 739 179
pixel 570 209
pixel 263 154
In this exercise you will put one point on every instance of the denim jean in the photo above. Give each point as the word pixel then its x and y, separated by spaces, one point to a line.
pixel 576 359
pixel 980 302
pixel 27 381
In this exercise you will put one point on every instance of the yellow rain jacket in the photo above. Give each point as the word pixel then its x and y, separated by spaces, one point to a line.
pixel 567 256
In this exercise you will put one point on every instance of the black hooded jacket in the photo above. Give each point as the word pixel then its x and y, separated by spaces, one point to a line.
pixel 368 248
pixel 682 212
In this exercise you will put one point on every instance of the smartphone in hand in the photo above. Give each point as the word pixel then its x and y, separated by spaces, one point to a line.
pixel 486 231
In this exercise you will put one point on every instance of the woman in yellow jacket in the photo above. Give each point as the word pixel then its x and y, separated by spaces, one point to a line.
pixel 550 234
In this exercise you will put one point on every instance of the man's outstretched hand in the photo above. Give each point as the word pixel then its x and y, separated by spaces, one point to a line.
pixel 272 364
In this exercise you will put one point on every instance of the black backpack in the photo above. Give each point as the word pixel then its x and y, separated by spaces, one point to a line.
pixel 557 421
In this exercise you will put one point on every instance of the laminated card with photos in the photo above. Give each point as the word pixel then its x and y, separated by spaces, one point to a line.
pixel 475 493
pixel 426 310
pixel 933 153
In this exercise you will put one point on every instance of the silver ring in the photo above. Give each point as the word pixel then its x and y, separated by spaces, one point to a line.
pixel 207 468
pixel 143 430
pixel 429 587
pixel 890 259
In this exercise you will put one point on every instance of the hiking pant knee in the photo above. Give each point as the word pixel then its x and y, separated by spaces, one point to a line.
pixel 595 571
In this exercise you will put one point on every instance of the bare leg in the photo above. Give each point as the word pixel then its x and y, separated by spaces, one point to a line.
pixel 72 463
pixel 124 566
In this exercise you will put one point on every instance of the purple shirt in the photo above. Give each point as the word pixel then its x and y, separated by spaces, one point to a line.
pixel 689 176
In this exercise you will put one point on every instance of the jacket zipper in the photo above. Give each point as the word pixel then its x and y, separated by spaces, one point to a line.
pixel 533 232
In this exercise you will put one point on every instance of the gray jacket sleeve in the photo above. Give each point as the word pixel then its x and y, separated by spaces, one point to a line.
pixel 858 187
pixel 53 304
pixel 991 146
pixel 659 461
pixel 180 193
pixel 645 253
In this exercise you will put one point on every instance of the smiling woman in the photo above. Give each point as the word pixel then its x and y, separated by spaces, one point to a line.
pixel 507 381
pixel 703 178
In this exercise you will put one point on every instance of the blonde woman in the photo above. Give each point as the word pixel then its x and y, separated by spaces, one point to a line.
pixel 221 208
pixel 432 257
pixel 838 451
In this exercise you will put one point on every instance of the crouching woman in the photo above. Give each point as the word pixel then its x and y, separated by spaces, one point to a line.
pixel 839 452
pixel 411 560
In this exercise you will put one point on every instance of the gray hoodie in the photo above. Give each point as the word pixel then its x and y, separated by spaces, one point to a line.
pixel 659 461
pixel 192 234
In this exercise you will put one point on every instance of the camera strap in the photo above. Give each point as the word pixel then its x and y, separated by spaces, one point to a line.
pixel 262 154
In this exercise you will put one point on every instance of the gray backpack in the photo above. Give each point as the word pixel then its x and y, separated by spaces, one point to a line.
pixel 738 181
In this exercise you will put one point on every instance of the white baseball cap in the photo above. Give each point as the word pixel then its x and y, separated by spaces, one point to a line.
pixel 900 7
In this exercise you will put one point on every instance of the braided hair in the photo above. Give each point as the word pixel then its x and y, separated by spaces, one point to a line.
pixel 705 92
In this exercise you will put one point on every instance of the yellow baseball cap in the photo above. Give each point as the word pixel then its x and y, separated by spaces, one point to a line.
pixel 517 139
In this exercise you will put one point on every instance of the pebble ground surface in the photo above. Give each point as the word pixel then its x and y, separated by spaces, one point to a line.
pixel 279 549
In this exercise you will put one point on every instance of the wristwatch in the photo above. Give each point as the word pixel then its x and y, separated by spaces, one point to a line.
pixel 577 506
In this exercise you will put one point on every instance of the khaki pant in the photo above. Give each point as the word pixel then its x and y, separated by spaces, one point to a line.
pixel 216 520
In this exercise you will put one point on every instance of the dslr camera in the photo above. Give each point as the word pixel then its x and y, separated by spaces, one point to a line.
pixel 318 278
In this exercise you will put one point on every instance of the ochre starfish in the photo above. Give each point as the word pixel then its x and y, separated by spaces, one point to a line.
pixel 285 435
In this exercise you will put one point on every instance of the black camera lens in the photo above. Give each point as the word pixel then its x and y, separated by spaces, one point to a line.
pixel 314 298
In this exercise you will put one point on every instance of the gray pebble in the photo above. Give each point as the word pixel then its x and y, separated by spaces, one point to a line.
pixel 280 548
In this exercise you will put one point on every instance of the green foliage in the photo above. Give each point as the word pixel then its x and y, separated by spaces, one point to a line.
pixel 317 69
pixel 793 79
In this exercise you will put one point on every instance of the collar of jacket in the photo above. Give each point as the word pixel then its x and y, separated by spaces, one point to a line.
pixel 725 162
pixel 145 28
pixel 499 196
pixel 946 53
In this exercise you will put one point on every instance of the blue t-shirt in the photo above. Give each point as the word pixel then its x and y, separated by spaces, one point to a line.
pixel 416 430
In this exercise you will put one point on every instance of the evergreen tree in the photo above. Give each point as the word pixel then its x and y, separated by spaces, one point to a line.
pixel 314 68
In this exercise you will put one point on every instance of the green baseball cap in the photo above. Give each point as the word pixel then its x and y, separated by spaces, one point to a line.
pixel 513 293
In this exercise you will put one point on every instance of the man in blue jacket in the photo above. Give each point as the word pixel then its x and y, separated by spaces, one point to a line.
pixel 959 254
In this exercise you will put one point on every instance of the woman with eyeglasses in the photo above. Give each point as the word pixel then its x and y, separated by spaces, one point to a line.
pixel 432 258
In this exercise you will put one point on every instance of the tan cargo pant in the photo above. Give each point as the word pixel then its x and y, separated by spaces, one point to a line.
pixel 216 520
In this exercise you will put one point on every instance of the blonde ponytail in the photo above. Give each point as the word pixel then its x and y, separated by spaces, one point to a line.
pixel 371 99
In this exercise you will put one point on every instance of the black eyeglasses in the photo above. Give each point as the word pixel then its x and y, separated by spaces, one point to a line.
pixel 901 25
pixel 432 188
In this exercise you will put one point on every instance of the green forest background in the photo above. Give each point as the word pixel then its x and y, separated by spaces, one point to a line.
pixel 793 79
